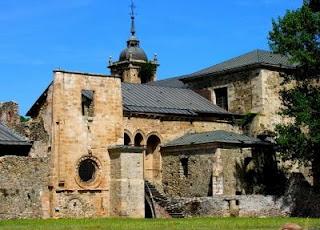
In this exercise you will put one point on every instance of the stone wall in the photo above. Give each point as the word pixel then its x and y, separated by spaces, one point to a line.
pixel 166 131
pixel 197 182
pixel 209 171
pixel 127 183
pixel 232 160
pixel 170 130
pixel 251 91
pixel 9 114
pixel 80 159
pixel 249 206
pixel 23 187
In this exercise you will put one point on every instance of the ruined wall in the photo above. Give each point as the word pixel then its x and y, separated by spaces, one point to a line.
pixel 9 114
pixel 80 160
pixel 23 187
pixel 39 127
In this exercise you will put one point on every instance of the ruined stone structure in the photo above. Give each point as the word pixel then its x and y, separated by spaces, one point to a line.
pixel 127 145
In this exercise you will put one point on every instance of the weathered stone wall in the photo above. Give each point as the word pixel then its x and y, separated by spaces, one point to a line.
pixel 81 203
pixel 166 131
pixel 82 141
pixel 209 171
pixel 23 187
pixel 170 130
pixel 232 160
pixel 39 128
pixel 127 183
pixel 249 206
pixel 252 91
pixel 9 114
pixel 197 182
pixel 268 116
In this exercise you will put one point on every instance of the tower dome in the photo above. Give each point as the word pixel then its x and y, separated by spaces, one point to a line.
pixel 133 51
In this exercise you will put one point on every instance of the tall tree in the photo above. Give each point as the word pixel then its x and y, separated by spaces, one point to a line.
pixel 297 35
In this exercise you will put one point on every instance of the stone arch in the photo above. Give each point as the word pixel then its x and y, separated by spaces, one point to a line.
pixel 152 158
pixel 127 138
pixel 139 138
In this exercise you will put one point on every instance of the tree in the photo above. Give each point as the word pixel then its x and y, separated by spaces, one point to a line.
pixel 297 36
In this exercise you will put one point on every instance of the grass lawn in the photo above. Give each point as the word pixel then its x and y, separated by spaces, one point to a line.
pixel 155 224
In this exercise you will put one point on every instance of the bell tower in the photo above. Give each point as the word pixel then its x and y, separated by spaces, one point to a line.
pixel 133 65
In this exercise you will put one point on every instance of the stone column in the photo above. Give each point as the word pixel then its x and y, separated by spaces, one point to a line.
pixel 127 184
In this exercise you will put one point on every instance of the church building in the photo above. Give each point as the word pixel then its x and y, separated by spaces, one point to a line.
pixel 128 145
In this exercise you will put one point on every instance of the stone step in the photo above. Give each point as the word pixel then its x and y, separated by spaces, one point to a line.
pixel 170 205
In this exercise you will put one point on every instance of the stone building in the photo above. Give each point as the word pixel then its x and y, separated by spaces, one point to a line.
pixel 127 145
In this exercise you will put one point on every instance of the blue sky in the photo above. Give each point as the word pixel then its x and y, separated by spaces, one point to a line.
pixel 38 36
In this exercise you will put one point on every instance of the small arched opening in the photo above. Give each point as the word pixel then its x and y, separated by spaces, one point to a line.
pixel 138 140
pixel 127 139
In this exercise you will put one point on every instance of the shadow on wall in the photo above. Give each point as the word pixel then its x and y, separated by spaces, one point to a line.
pixel 303 199
pixel 260 174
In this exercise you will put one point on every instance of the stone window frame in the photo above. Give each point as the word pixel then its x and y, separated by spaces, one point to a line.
pixel 213 94
pixel 90 112
pixel 98 173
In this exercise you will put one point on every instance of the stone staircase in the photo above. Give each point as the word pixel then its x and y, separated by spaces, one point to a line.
pixel 169 204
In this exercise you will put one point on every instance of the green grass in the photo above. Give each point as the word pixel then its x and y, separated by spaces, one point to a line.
pixel 155 224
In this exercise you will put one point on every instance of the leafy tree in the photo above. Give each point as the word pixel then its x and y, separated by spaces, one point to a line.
pixel 297 35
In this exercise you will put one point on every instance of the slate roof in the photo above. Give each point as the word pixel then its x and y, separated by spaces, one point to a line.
pixel 8 137
pixel 174 82
pixel 253 58
pixel 164 100
pixel 218 136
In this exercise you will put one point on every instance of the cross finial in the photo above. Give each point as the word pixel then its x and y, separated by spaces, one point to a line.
pixel 132 14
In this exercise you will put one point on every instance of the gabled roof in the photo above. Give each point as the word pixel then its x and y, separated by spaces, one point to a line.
pixel 165 100
pixel 256 58
pixel 9 137
pixel 218 136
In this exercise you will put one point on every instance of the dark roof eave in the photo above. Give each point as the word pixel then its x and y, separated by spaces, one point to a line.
pixel 214 143
pixel 15 143
pixel 189 78
pixel 204 116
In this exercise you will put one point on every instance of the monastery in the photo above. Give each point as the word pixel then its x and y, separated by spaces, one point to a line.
pixel 128 145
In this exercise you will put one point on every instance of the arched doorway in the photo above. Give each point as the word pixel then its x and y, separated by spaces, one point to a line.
pixel 152 160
